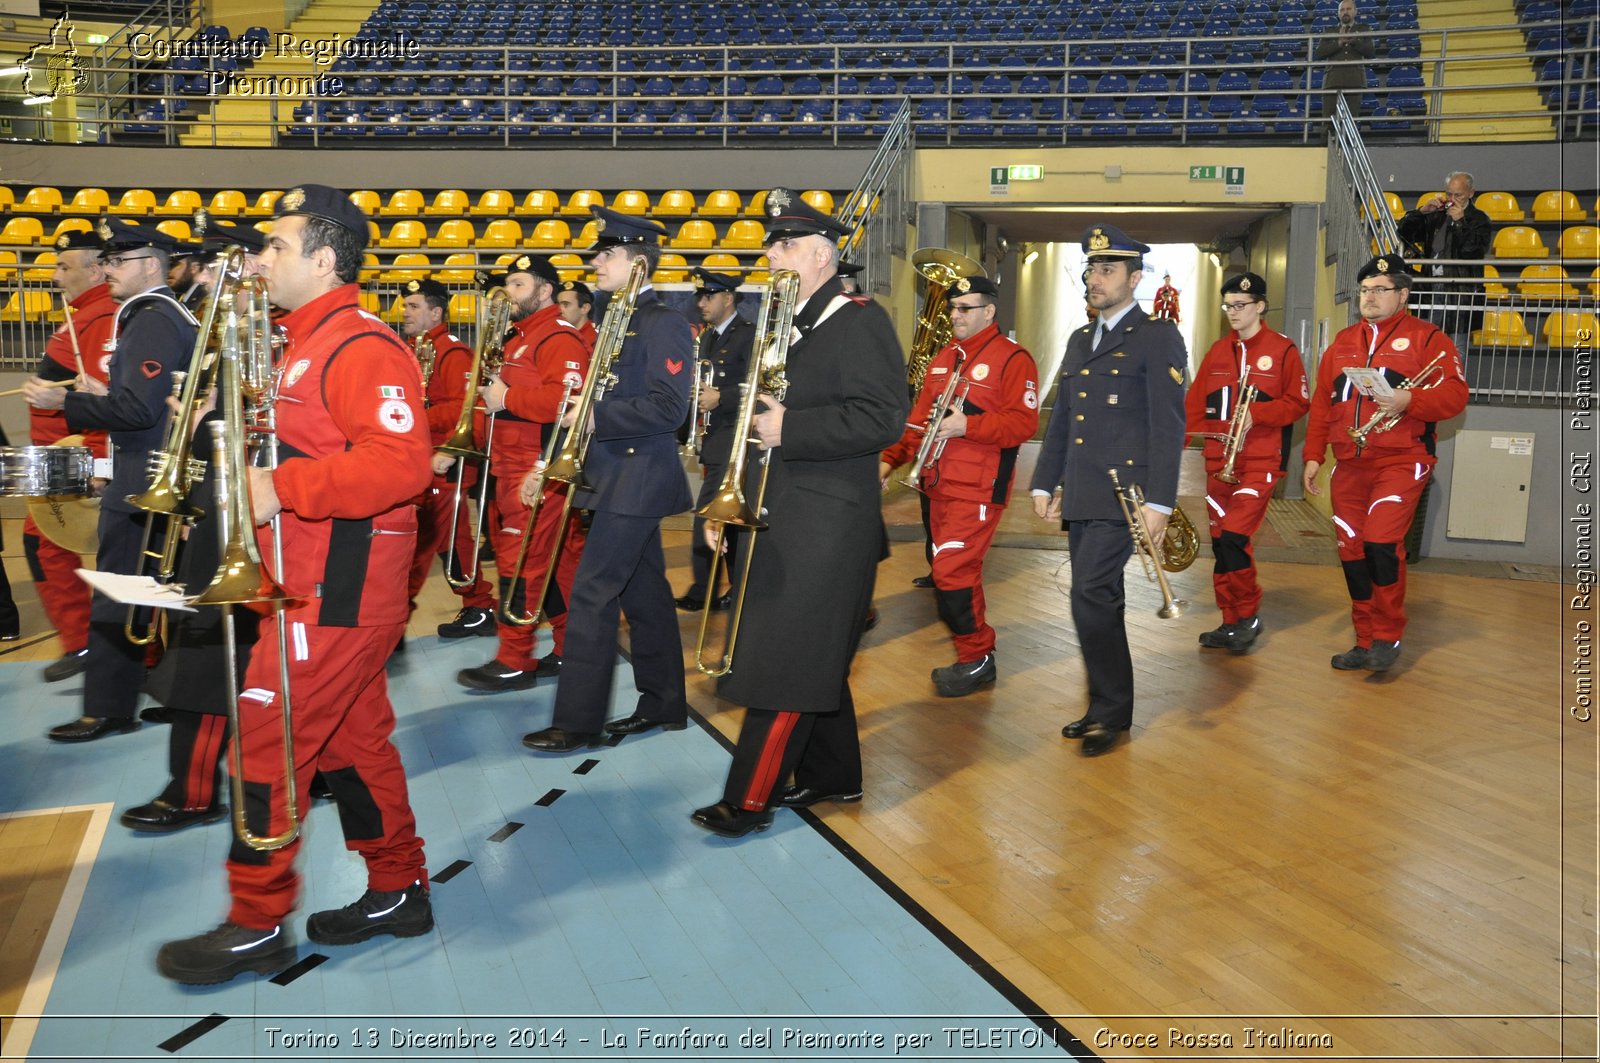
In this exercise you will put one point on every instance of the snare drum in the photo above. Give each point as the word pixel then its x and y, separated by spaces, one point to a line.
pixel 36 471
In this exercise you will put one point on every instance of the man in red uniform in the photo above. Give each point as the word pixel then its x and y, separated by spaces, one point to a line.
pixel 422 314
pixel 993 410
pixel 1378 480
pixel 576 302
pixel 77 346
pixel 350 403
pixel 1256 357
pixel 545 359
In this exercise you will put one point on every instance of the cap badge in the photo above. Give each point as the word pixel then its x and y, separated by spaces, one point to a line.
pixel 599 225
pixel 523 262
pixel 1383 265
pixel 1244 284
pixel 963 285
pixel 104 229
pixel 1099 241
pixel 413 286
pixel 293 199
pixel 63 240
pixel 202 221
pixel 778 201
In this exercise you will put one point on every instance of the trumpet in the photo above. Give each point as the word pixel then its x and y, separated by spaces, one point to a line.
pixel 485 364
pixel 1383 421
pixel 931 449
pixel 699 417
pixel 422 346
pixel 774 329
pixel 1152 557
pixel 567 466
pixel 1234 441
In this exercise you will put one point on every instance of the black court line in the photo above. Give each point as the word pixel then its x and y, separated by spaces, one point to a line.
pixel 1025 1005
pixel 549 799
pixel 289 974
pixel 614 741
pixel 505 832
pixel 586 767
pixel 17 646
pixel 187 1036
pixel 450 872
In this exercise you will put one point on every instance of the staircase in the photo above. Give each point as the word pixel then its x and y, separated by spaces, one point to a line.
pixel 1460 110
pixel 250 121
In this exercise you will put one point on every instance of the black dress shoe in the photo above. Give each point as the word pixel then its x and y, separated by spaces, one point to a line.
pixel 1243 635
pixel 1353 659
pixel 555 740
pixel 1382 655
pixel 495 677
pixel 225 953
pixel 159 817
pixel 88 728
pixel 962 678
pixel 689 603
pixel 725 602
pixel 638 725
pixel 722 818
pixel 68 666
pixel 470 621
pixel 10 635
pixel 924 582
pixel 156 714
pixel 1100 739
pixel 805 797
pixel 1217 639
pixel 1077 728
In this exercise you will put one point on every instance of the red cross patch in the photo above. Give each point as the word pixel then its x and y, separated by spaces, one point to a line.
pixel 395 416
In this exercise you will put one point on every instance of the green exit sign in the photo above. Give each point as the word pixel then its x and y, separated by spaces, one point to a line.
pixel 1204 173
pixel 1025 173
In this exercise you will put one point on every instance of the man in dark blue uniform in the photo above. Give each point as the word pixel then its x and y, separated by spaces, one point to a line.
pixel 635 478
pixel 725 347
pixel 1119 405
pixel 153 337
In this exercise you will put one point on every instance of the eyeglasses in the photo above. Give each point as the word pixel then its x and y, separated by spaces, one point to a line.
pixel 116 261
pixel 1375 289
pixel 956 308
pixel 1228 308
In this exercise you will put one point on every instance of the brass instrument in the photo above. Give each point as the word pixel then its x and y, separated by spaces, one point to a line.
pixel 567 466
pixel 931 448
pixel 940 268
pixel 507 614
pixel 1153 558
pixel 1233 442
pixel 422 346
pixel 699 418
pixel 485 364
pixel 1382 421
pixel 768 358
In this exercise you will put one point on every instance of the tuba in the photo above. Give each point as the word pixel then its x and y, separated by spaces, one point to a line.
pixel 485 364
pixel 1381 421
pixel 774 330
pixel 1153 557
pixel 940 268
pixel 567 466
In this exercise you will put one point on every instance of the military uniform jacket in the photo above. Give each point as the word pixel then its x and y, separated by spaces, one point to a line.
pixel 1118 406
pixel 92 313
pixel 1401 346
pixel 729 355
pixel 632 462
pixel 1281 398
pixel 812 571
pixel 154 338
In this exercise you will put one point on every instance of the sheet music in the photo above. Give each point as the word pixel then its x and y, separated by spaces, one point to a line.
pixel 137 590
pixel 1370 382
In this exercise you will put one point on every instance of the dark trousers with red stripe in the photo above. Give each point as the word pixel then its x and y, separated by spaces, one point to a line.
pixel 195 747
pixel 821 749
pixel 433 537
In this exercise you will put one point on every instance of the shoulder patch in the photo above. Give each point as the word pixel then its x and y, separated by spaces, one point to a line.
pixel 1177 374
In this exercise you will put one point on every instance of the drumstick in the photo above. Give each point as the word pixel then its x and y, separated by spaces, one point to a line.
pixel 72 330
pixel 43 384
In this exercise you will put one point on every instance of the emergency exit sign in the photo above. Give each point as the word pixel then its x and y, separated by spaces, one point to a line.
pixel 1025 173
pixel 1204 173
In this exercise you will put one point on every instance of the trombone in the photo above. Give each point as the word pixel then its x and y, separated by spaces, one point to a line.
pixel 507 613
pixel 1153 558
pixel 774 329
pixel 567 466
pixel 485 364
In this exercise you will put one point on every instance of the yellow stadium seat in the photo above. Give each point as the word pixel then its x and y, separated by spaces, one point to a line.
pixel 1492 286
pixel 182 203
pixel 502 232
pixel 43 268
pixel 510 256
pixel 369 201
pixel 22 231
pixel 41 200
pixel 8 198
pixel 461 268
pixel 722 263
pixel 88 201
pixel 176 228
pixel 539 203
pixel 369 268
pixel 1580 241
pixel 405 234
pixel 1502 328
pixel 265 226
pixel 569 266
pixel 1397 207
pixel 265 203
pixel 369 303
pixel 68 225
pixel 1426 197
pixel 493 202
pixel 674 203
pixel 758 205
pixel 629 201
pixel 448 202
pixel 759 274
pixel 27 306
pixel 1594 287
pixel 746 234
pixel 374 234
pixel 404 201
pixel 464 308
pixel 8 266
pixel 411 265
pixel 1545 282
pixel 552 232
pixel 226 203
pixel 672 269
pixel 588 235
pixel 581 200
pixel 1558 206
pixel 1519 241
pixel 457 232
pixel 1569 328
pixel 723 203
pixel 135 202
pixel 1500 206
pixel 819 199
pixel 695 233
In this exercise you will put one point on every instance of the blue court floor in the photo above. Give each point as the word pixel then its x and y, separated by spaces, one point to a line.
pixel 576 905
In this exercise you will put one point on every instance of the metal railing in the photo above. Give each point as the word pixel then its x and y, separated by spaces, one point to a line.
pixel 879 200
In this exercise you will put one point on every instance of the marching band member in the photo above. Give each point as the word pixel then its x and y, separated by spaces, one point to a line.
pixel 576 301
pixel 1377 483
pixel 993 411
pixel 1254 356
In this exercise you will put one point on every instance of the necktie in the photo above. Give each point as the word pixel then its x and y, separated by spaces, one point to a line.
pixel 1099 334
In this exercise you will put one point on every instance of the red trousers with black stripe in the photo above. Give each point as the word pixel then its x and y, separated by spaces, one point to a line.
pixel 962 532
pixel 433 533
pixel 342 723
pixel 64 596
pixel 1236 512
pixel 1372 510
pixel 516 640
pixel 822 751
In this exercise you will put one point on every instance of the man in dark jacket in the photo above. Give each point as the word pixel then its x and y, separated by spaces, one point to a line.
pixel 1447 226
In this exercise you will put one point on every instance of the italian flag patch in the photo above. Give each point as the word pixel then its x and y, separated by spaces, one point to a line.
pixel 391 393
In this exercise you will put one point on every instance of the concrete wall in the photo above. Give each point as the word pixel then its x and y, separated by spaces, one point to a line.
pixel 1545 515
pixel 1496 167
